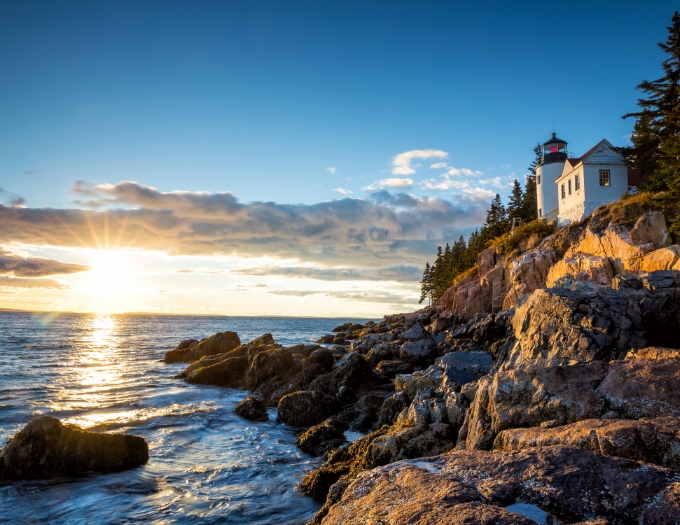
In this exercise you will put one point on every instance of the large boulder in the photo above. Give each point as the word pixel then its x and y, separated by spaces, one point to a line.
pixel 306 408
pixel 221 372
pixel 650 440
pixel 643 387
pixel 317 440
pixel 176 355
pixel 582 267
pixel 650 228
pixel 252 409
pixel 532 397
pixel 563 326
pixel 570 481
pixel 218 343
pixel 47 448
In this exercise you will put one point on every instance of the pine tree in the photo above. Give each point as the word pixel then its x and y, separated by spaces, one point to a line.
pixel 529 205
pixel 656 145
pixel 426 284
pixel 496 220
pixel 516 201
pixel 538 158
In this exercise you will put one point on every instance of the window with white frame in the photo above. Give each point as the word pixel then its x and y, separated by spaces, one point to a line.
pixel 538 179
pixel 604 178
pixel 569 184
pixel 577 182
pixel 564 193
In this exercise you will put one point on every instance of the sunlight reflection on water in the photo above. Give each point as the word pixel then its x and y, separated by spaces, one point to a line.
pixel 103 372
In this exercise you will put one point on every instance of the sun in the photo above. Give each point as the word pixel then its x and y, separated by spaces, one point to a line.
pixel 110 272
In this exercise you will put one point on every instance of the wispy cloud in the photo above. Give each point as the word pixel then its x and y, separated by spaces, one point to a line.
pixel 401 164
pixel 344 232
pixel 13 264
pixel 378 296
pixel 342 191
pixel 330 170
pixel 210 271
pixel 18 282
pixel 389 183
pixel 391 273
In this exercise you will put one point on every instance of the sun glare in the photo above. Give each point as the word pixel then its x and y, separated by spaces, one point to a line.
pixel 110 272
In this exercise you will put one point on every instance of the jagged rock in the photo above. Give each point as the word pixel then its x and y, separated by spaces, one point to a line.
pixel 560 326
pixel 532 397
pixel 660 279
pixel 306 408
pixel 47 448
pixel 415 332
pixel 527 273
pixel 643 387
pixel 393 367
pixel 413 495
pixel 582 267
pixel 651 228
pixel 654 352
pixel 252 409
pixel 417 350
pixel 220 343
pixel 317 440
pixel 177 354
pixel 350 371
pixel 661 259
pixel 221 372
pixel 616 244
pixel 268 363
pixel 570 481
pixel 650 440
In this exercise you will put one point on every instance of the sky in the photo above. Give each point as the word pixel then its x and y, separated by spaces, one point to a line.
pixel 297 158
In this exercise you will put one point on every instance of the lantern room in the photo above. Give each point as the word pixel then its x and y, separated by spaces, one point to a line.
pixel 555 150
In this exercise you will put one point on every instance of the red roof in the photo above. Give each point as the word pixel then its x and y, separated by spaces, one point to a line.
pixel 635 178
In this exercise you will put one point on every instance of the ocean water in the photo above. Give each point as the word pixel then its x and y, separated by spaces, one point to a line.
pixel 103 372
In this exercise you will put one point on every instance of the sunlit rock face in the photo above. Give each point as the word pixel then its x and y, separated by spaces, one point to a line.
pixel 46 448
pixel 472 486
pixel 652 440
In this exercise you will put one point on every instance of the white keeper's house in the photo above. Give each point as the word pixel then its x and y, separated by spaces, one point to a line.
pixel 569 188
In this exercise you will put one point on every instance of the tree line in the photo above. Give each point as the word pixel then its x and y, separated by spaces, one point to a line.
pixel 455 259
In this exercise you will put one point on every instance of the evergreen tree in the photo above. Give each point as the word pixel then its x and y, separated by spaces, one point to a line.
pixel 426 287
pixel 516 202
pixel 656 145
pixel 496 220
pixel 538 158
pixel 529 205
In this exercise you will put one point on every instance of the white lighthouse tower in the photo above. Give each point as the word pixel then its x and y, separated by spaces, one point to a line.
pixel 547 172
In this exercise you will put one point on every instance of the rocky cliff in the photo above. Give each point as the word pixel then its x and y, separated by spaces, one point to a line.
pixel 543 382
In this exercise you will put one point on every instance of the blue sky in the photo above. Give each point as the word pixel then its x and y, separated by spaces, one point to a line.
pixel 304 102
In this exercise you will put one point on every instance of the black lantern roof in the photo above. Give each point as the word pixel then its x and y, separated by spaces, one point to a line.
pixel 554 140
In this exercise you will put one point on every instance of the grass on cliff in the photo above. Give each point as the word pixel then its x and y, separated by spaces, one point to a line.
pixel 522 238
pixel 628 210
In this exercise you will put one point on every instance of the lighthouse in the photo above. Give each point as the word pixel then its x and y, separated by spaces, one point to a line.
pixel 547 172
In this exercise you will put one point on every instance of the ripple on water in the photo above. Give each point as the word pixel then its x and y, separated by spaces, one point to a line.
pixel 102 372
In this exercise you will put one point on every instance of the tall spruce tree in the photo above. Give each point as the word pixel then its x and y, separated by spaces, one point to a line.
pixel 529 206
pixel 516 202
pixel 496 220
pixel 426 285
pixel 656 144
